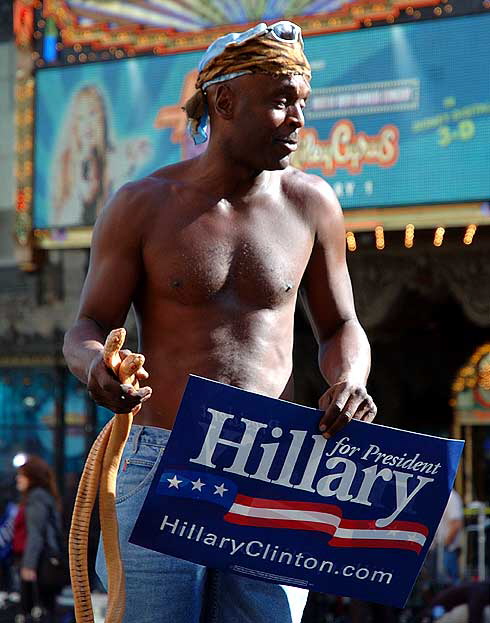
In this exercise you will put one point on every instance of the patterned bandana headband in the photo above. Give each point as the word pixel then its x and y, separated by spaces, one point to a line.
pixel 277 49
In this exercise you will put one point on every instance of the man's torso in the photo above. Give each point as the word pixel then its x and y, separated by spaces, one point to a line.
pixel 220 284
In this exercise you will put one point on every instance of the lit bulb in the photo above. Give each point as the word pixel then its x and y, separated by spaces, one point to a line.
pixel 380 237
pixel 439 236
pixel 409 235
pixel 351 241
pixel 470 232
pixel 19 460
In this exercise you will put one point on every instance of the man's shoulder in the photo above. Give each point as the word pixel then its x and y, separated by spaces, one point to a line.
pixel 148 193
pixel 164 179
pixel 309 191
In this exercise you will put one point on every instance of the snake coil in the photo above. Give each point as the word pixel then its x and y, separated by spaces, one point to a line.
pixel 100 473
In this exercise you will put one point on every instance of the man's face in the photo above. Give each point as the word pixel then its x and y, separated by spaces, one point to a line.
pixel 268 117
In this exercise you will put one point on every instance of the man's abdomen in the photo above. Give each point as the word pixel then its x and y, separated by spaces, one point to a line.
pixel 252 353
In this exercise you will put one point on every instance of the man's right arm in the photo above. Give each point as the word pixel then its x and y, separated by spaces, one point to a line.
pixel 114 270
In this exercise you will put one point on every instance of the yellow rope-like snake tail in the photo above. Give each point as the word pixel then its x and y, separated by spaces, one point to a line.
pixel 78 540
pixel 101 468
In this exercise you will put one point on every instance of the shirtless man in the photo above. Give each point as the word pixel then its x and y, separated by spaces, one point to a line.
pixel 211 253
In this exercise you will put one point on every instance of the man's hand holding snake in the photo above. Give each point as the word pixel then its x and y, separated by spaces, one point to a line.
pixel 114 383
pixel 343 402
pixel 106 389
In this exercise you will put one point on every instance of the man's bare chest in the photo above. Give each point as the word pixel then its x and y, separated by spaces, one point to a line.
pixel 257 261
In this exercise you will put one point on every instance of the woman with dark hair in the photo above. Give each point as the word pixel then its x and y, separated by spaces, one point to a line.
pixel 37 538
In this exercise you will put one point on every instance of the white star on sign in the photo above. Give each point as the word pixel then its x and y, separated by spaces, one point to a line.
pixel 197 484
pixel 174 482
pixel 220 490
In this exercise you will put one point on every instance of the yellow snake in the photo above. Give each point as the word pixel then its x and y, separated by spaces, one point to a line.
pixel 100 471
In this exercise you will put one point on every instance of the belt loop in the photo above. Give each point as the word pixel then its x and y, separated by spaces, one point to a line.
pixel 136 438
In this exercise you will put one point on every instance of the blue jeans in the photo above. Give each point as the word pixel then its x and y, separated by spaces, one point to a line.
pixel 164 589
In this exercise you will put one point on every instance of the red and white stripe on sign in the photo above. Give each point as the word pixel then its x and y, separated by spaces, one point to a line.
pixel 326 518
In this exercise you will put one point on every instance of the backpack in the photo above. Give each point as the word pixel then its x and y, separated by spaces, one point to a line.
pixel 53 572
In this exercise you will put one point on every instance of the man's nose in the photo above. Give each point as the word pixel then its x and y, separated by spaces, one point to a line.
pixel 296 116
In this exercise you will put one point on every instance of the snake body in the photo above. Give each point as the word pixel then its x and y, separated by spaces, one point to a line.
pixel 100 472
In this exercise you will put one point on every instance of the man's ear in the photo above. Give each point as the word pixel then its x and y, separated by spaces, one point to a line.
pixel 224 101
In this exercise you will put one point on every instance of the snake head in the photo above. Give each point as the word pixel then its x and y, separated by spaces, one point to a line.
pixel 129 366
pixel 112 346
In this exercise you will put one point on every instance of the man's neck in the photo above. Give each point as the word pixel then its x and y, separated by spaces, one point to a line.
pixel 226 178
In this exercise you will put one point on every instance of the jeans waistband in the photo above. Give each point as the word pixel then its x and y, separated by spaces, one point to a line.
pixel 151 435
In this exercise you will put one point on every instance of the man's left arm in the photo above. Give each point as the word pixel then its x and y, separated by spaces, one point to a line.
pixel 344 352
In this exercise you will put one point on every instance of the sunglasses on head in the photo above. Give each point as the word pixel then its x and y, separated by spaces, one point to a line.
pixel 286 32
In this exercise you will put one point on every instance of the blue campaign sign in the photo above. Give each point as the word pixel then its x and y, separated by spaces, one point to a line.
pixel 248 484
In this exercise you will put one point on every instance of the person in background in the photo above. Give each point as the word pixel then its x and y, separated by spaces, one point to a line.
pixel 37 533
pixel 448 540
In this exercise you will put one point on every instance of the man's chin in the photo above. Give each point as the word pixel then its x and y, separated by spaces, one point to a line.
pixel 278 165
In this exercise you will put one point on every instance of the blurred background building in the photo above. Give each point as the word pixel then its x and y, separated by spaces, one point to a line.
pixel 398 123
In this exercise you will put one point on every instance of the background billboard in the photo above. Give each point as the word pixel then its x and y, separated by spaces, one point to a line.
pixel 399 115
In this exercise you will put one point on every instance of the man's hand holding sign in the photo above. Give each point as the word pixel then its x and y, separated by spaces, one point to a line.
pixel 343 402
